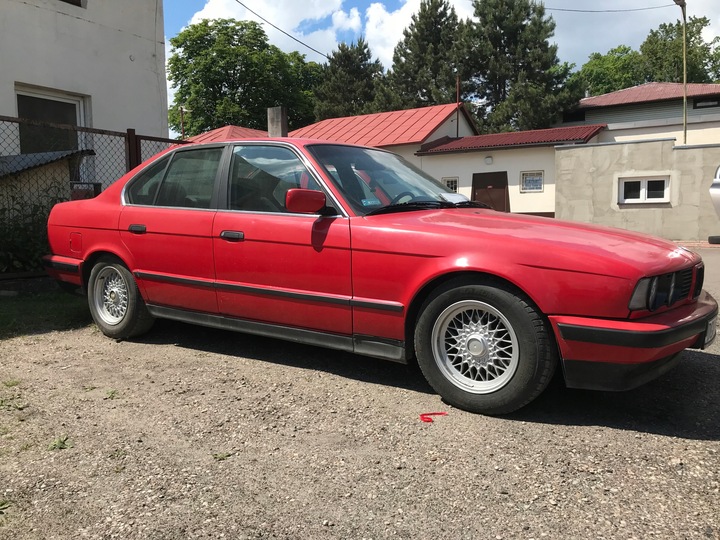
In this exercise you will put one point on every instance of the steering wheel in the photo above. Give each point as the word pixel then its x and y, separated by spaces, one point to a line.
pixel 397 198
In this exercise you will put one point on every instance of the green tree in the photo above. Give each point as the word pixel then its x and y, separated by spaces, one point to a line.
pixel 622 67
pixel 225 72
pixel 424 68
pixel 509 65
pixel 662 52
pixel 349 81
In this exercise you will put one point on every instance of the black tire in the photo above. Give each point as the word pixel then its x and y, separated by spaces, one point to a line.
pixel 115 302
pixel 484 348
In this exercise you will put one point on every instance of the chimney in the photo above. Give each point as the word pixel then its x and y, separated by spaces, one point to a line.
pixel 277 122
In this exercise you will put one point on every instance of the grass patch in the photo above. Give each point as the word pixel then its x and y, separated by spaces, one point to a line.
pixel 11 383
pixel 4 506
pixel 61 443
pixel 33 313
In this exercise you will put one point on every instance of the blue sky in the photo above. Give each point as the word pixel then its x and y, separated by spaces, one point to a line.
pixel 324 23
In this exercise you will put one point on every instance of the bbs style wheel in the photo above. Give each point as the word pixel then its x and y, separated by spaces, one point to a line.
pixel 484 348
pixel 115 302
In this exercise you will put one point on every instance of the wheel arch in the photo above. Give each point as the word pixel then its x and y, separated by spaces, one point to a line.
pixel 93 258
pixel 452 280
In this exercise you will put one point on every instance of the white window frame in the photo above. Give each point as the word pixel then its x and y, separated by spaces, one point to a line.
pixel 643 198
pixel 448 182
pixel 53 95
pixel 526 175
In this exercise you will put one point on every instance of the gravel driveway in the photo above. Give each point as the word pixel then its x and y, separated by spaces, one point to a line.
pixel 196 433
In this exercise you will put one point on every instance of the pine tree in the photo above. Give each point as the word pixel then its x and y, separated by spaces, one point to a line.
pixel 424 69
pixel 511 67
pixel 348 82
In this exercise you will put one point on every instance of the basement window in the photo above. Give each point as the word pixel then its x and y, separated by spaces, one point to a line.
pixel 78 3
pixel 644 190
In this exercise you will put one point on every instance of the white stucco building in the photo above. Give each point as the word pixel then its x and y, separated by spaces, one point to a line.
pixel 89 63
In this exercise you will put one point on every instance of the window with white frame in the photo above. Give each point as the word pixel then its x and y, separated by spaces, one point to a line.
pixel 531 181
pixel 644 190
pixel 52 107
pixel 452 182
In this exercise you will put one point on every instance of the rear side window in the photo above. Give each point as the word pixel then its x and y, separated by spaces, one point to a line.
pixel 184 180
pixel 144 187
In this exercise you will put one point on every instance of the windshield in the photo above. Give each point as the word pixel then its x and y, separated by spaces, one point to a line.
pixel 373 181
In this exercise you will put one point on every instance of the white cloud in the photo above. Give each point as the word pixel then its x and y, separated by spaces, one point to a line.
pixel 323 23
pixel 343 21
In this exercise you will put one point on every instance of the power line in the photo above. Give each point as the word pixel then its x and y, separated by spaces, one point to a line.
pixel 608 10
pixel 283 31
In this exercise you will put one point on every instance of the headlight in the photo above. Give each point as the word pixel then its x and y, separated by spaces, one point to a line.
pixel 654 292
pixel 640 297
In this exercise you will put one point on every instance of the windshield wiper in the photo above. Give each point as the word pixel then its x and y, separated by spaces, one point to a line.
pixel 472 204
pixel 410 206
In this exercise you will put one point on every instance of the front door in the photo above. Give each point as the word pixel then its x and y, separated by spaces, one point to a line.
pixel 492 189
pixel 273 266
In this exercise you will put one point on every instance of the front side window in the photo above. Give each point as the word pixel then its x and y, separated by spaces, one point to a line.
pixel 643 190
pixel 261 175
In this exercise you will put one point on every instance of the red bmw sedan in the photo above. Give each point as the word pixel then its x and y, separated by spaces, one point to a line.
pixel 352 248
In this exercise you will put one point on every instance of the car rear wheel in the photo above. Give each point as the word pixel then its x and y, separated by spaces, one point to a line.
pixel 115 302
pixel 484 348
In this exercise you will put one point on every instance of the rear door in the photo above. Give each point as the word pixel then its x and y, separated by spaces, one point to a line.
pixel 273 266
pixel 167 226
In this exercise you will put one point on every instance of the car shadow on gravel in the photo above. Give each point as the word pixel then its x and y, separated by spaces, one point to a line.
pixel 684 403
pixel 263 349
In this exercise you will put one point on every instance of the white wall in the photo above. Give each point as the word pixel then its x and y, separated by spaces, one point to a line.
pixel 514 161
pixel 110 53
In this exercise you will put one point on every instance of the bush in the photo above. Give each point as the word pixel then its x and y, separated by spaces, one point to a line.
pixel 23 230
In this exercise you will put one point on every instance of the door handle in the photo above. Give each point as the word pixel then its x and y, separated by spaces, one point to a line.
pixel 232 236
pixel 137 229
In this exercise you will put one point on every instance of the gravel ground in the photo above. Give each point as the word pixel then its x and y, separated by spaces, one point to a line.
pixel 196 433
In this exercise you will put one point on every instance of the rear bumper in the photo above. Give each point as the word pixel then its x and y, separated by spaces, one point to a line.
pixel 64 269
pixel 619 355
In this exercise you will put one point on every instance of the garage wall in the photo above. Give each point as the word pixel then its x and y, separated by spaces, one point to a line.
pixel 588 179
pixel 513 161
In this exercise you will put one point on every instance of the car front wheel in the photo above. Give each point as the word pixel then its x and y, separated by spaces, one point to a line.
pixel 115 302
pixel 484 348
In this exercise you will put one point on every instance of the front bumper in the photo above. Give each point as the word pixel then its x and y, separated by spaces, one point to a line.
pixel 601 354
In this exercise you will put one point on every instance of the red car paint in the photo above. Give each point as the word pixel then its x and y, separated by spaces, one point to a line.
pixel 356 282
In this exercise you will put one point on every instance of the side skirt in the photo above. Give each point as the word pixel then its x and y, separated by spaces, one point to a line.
pixel 363 345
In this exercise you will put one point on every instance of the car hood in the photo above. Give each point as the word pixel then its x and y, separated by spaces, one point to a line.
pixel 535 241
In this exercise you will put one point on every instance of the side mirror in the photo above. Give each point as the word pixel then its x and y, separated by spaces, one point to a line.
pixel 304 201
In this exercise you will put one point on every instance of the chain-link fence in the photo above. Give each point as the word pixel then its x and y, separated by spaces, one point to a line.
pixel 42 164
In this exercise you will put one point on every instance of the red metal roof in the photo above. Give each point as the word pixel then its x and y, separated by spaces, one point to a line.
pixel 412 126
pixel 535 137
pixel 227 133
pixel 649 92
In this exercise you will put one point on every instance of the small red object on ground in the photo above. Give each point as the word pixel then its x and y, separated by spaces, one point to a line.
pixel 427 417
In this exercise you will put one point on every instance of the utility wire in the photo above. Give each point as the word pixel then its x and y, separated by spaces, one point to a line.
pixel 283 31
pixel 608 10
